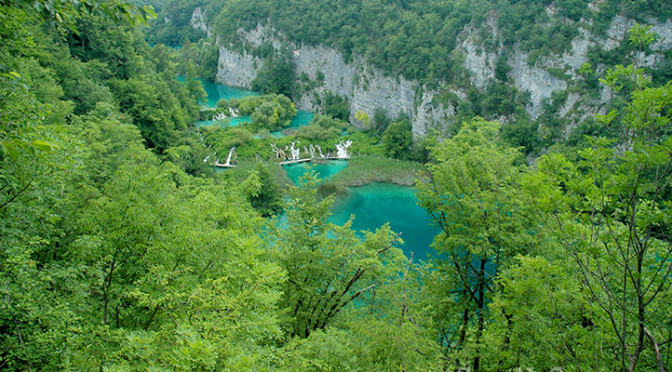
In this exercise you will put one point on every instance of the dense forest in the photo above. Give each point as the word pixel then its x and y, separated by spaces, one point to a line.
pixel 414 38
pixel 121 249
pixel 432 43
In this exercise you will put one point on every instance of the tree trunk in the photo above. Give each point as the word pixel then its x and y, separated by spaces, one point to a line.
pixel 480 317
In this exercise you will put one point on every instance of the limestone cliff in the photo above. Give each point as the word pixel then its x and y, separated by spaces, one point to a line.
pixel 368 89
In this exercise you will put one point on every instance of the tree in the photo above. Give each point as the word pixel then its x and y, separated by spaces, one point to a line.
pixel 398 140
pixel 472 195
pixel 336 106
pixel 611 212
pixel 266 198
pixel 328 267
pixel 640 36
pixel 363 118
pixel 276 75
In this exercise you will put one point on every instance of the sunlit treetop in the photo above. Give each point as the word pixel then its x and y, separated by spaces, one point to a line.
pixel 64 12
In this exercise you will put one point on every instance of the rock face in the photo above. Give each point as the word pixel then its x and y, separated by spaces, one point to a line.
pixel 369 89
pixel 236 69
pixel 366 88
pixel 198 21
pixel 537 81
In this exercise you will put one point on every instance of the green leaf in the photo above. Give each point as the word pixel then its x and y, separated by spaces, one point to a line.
pixel 43 145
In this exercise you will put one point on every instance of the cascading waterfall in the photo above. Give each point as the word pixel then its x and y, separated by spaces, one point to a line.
pixel 228 158
pixel 294 149
pixel 296 153
pixel 220 116
pixel 342 149
pixel 229 113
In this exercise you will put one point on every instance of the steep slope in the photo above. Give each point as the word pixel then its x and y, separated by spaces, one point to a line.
pixel 505 62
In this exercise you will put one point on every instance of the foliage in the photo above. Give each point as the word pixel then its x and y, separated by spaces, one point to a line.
pixel 363 170
pixel 113 257
pixel 472 195
pixel 276 75
pixel 175 29
pixel 522 133
pixel 316 132
pixel 271 111
pixel 612 221
pixel 416 39
pixel 265 197
pixel 321 128
pixel 327 266
pixel 398 140
pixel 336 106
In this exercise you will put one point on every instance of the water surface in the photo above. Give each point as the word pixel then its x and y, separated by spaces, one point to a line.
pixel 216 91
pixel 232 122
pixel 301 118
pixel 324 170
pixel 377 203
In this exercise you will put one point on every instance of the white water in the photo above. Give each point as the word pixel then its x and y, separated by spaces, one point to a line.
pixel 228 158
pixel 342 149
pixel 296 153
pixel 224 115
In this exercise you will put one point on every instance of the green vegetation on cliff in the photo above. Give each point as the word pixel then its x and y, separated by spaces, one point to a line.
pixel 413 38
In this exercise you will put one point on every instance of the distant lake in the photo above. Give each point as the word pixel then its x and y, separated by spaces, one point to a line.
pixel 216 92
pixel 376 204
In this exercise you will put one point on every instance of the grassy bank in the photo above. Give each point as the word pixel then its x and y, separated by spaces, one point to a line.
pixel 367 169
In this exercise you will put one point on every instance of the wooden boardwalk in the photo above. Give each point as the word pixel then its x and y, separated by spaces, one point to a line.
pixel 295 161
pixel 286 162
pixel 220 165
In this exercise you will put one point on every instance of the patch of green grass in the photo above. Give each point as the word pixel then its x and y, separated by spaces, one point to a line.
pixel 367 169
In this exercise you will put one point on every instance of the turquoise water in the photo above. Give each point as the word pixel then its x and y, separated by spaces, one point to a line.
pixel 301 118
pixel 377 203
pixel 373 205
pixel 324 170
pixel 216 91
pixel 233 122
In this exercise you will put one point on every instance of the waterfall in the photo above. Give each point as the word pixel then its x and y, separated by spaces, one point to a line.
pixel 276 150
pixel 220 116
pixel 296 153
pixel 228 158
pixel 279 153
pixel 342 149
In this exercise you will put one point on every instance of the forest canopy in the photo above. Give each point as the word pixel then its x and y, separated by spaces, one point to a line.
pixel 121 249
